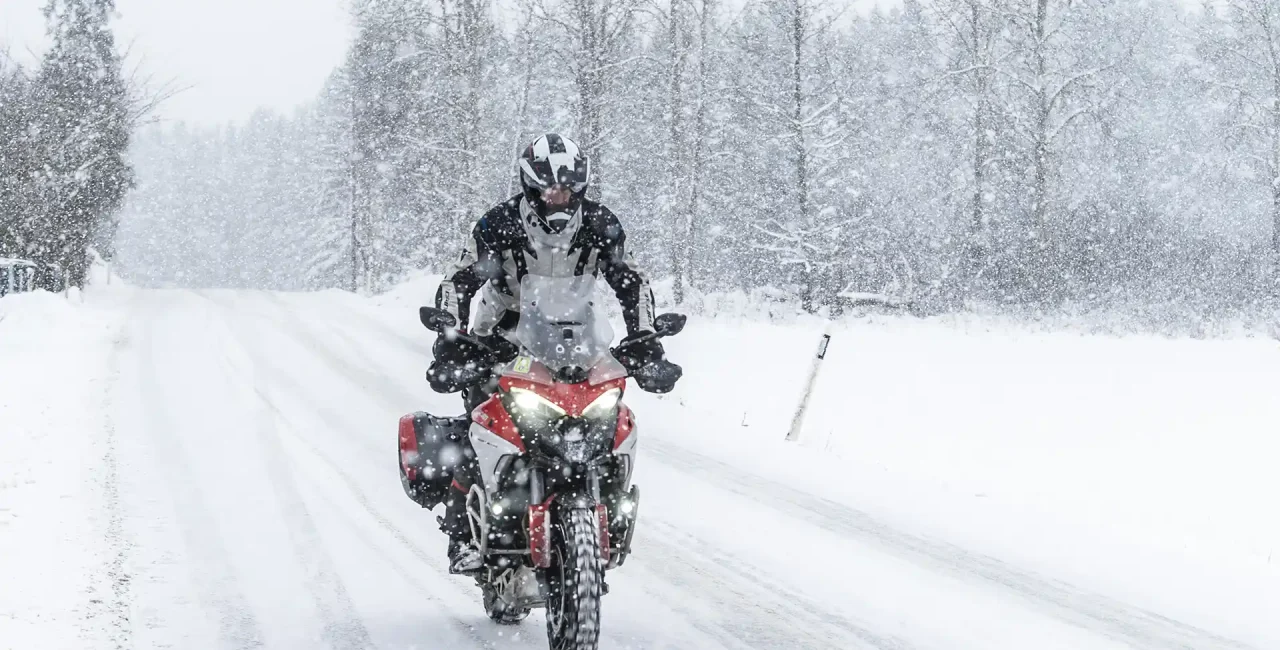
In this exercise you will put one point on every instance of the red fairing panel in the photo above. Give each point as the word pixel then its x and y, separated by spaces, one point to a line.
pixel 573 398
pixel 494 417
pixel 603 513
pixel 539 536
pixel 408 446
pixel 626 424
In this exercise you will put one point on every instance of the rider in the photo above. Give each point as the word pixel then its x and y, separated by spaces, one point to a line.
pixel 549 229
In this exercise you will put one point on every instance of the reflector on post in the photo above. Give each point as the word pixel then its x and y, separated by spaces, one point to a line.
pixel 798 421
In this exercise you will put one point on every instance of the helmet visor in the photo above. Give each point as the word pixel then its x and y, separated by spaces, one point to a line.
pixel 557 197
pixel 557 169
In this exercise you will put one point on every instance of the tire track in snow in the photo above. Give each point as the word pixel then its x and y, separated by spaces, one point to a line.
pixel 1092 612
pixel 219 590
pixel 389 393
pixel 119 545
pixel 395 532
pixel 343 627
pixel 715 574
pixel 286 381
pixel 420 346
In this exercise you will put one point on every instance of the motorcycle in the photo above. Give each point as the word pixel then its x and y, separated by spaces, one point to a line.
pixel 552 452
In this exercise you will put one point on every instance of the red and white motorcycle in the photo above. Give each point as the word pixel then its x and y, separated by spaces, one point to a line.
pixel 552 453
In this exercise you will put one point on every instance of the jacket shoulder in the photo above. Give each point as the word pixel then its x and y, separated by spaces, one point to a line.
pixel 603 225
pixel 500 226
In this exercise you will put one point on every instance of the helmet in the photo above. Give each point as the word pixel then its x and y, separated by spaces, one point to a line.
pixel 554 173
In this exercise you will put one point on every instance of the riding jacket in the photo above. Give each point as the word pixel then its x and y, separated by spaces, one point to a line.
pixel 505 245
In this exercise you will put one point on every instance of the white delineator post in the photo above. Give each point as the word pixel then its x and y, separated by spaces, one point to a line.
pixel 798 421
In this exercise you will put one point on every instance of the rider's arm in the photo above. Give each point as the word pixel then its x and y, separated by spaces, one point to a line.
pixel 630 285
pixel 478 263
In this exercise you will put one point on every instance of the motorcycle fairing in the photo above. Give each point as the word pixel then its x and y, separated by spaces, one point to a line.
pixel 493 416
pixel 626 426
pixel 626 439
pixel 490 448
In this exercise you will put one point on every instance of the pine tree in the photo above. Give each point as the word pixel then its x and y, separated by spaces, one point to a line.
pixel 17 163
pixel 389 118
pixel 335 259
pixel 83 132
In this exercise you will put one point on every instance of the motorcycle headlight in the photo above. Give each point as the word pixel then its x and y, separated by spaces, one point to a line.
pixel 531 403
pixel 603 406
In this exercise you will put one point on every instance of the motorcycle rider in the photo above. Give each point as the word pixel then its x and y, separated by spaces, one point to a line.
pixel 550 229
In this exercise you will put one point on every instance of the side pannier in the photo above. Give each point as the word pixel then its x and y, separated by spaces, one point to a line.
pixel 431 450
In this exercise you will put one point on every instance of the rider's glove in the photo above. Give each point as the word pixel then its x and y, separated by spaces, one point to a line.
pixel 503 350
pixel 457 364
pixel 635 355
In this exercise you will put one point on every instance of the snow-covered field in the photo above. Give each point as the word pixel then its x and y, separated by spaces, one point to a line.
pixel 215 469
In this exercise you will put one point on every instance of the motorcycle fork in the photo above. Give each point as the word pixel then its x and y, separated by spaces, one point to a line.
pixel 539 515
pixel 593 483
pixel 536 489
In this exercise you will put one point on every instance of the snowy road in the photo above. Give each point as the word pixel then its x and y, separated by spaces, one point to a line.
pixel 249 499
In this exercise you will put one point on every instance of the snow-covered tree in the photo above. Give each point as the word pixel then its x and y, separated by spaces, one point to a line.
pixel 949 151
pixel 83 127
pixel 390 117
pixel 17 158
pixel 1248 75
pixel 591 40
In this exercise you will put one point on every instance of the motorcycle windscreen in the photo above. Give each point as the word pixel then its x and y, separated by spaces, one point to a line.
pixel 560 325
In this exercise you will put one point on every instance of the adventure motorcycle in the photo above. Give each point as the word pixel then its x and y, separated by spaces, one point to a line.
pixel 551 452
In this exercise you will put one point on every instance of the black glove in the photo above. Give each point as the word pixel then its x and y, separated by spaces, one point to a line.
pixel 504 351
pixel 634 355
pixel 458 363
pixel 658 377
pixel 645 362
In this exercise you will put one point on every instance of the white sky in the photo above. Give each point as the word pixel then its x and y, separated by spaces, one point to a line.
pixel 232 55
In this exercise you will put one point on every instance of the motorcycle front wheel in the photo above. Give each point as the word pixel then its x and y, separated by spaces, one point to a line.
pixel 575 581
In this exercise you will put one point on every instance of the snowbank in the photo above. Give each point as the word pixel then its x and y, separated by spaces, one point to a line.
pixel 1138 466
pixel 54 368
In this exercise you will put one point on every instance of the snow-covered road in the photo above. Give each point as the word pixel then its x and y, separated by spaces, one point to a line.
pixel 240 491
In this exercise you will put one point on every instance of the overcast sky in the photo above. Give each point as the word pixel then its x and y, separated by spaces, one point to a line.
pixel 233 55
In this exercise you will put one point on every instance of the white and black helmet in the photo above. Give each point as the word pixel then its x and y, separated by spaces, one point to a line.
pixel 554 160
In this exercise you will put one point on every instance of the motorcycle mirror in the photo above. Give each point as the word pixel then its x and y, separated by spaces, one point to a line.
pixel 436 320
pixel 670 324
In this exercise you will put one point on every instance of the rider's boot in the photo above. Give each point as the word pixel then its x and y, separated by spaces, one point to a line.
pixel 464 557
pixel 464 554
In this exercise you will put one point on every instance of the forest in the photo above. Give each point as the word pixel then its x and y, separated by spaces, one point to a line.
pixel 953 154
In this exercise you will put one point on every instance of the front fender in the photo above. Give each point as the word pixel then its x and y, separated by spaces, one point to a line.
pixel 541 518
pixel 582 500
